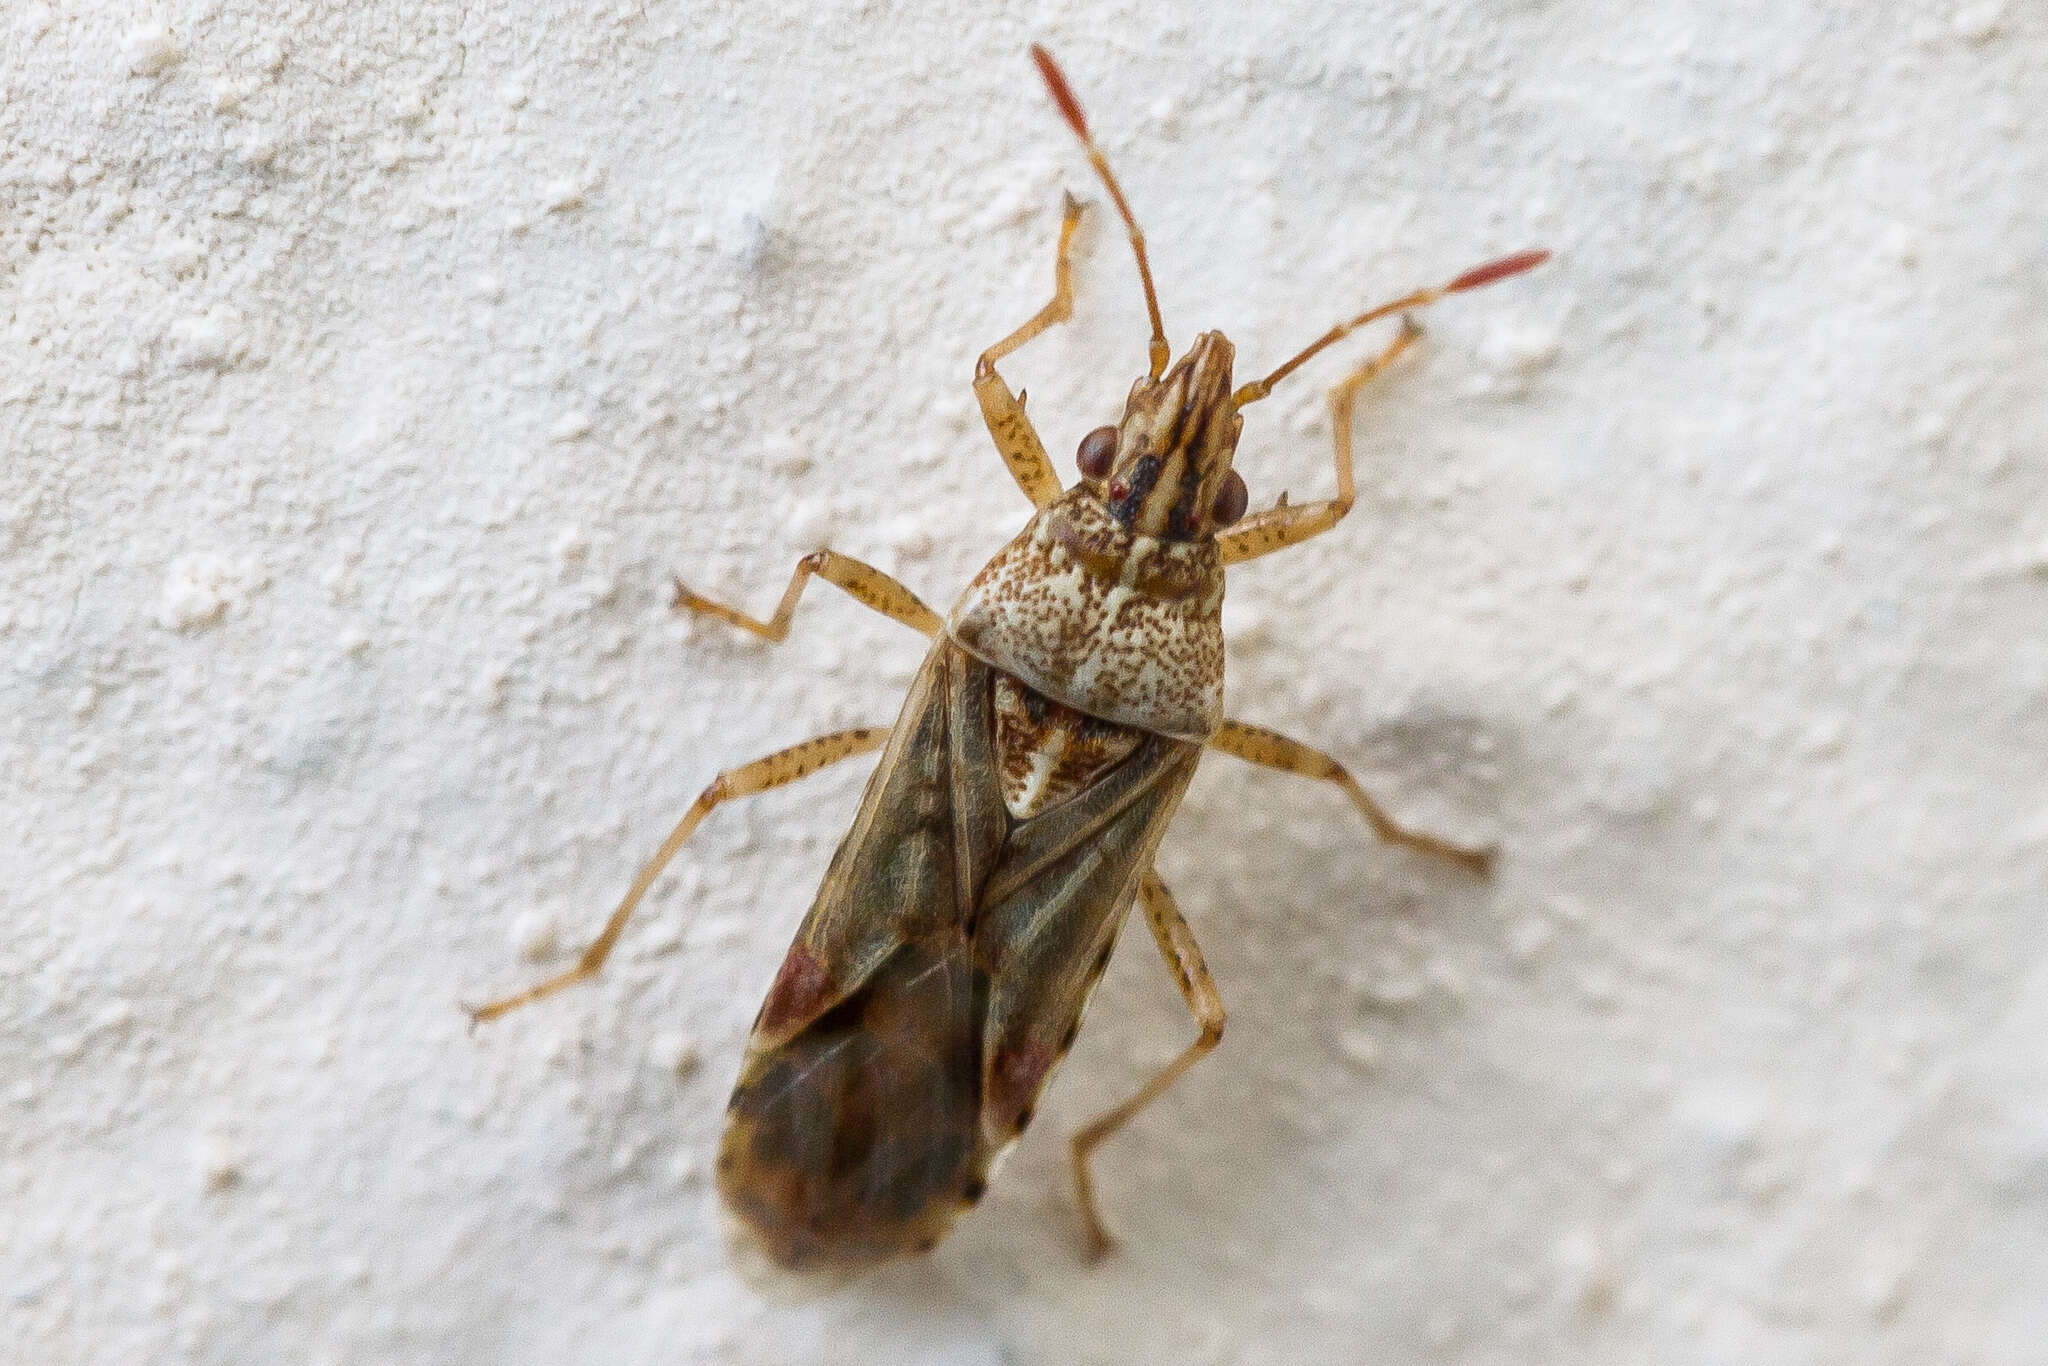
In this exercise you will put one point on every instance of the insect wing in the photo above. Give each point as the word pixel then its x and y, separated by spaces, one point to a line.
pixel 926 836
pixel 1050 915
pixel 852 1133
pixel 938 978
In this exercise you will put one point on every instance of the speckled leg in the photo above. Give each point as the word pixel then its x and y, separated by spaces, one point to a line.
pixel 1270 749
pixel 863 582
pixel 1177 943
pixel 775 770
pixel 1276 528
pixel 1016 440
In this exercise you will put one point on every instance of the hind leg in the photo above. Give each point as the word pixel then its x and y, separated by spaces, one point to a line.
pixel 1177 945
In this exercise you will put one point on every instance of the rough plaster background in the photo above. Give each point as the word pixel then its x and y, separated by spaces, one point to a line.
pixel 369 368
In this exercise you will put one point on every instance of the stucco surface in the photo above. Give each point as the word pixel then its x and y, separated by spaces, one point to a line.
pixel 366 371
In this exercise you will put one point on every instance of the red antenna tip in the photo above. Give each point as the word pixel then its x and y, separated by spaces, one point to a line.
pixel 1056 82
pixel 1497 270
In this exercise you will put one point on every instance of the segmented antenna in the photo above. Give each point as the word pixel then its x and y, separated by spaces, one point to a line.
pixel 1070 110
pixel 1474 278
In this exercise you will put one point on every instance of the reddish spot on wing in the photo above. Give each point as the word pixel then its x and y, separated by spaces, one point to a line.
pixel 1018 1075
pixel 800 989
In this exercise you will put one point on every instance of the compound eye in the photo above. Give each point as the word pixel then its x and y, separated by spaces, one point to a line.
pixel 1097 453
pixel 1230 500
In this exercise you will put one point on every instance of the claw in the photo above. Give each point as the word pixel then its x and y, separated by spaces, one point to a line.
pixel 1100 1246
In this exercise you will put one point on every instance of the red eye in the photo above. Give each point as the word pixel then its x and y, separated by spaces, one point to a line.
pixel 1230 500
pixel 1098 450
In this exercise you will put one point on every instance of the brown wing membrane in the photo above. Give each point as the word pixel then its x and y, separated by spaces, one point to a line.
pixel 1050 916
pixel 926 836
pixel 851 1134
pixel 936 979
pixel 855 1141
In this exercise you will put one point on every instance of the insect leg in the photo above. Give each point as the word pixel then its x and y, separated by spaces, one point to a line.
pixel 1270 749
pixel 1058 309
pixel 1177 943
pixel 1279 527
pixel 775 770
pixel 1276 528
pixel 863 582
pixel 1016 440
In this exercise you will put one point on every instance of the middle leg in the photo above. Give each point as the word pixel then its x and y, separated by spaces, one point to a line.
pixel 1270 749
pixel 862 582
pixel 762 775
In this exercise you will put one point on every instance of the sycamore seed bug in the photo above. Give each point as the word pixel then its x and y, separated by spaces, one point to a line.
pixel 1012 820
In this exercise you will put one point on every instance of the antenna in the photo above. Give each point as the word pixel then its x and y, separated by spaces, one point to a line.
pixel 1070 110
pixel 1475 278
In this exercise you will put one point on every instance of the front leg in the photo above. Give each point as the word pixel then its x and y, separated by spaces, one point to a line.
pixel 1016 440
pixel 1276 528
pixel 1279 527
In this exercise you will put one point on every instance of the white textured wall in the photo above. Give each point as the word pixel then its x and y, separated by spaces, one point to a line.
pixel 367 369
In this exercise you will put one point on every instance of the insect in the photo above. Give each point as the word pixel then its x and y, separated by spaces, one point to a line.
pixel 1012 819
